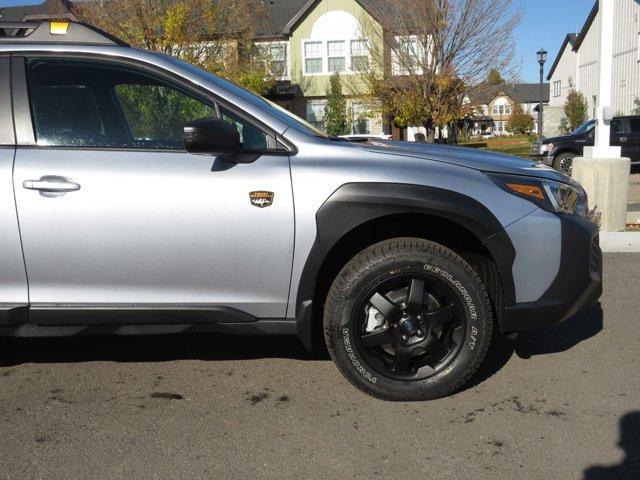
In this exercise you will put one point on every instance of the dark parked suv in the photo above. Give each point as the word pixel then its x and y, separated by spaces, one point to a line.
pixel 559 152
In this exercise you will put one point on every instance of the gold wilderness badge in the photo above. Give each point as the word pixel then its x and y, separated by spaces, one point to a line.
pixel 261 198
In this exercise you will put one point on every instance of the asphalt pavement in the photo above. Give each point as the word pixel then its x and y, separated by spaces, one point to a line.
pixel 562 403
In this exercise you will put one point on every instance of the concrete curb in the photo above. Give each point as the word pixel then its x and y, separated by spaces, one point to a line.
pixel 615 242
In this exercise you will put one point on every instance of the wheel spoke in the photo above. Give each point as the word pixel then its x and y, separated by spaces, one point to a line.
pixel 402 358
pixel 438 351
pixel 388 309
pixel 439 317
pixel 416 294
pixel 376 338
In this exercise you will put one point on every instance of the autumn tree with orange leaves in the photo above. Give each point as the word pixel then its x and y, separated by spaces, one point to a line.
pixel 215 35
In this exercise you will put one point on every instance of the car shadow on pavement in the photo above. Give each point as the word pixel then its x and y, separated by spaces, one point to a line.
pixel 201 346
pixel 558 338
pixel 629 442
pixel 152 348
pixel 561 337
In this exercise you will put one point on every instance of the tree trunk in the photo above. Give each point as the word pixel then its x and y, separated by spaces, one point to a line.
pixel 431 131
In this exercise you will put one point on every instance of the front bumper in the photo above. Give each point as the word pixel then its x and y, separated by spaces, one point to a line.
pixel 577 286
pixel 542 158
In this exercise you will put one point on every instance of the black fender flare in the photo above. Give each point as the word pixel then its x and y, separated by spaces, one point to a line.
pixel 354 204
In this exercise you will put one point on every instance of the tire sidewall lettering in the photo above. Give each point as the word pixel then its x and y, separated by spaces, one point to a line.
pixel 467 299
pixel 351 353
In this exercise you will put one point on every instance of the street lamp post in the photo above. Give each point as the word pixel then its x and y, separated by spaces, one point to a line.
pixel 542 57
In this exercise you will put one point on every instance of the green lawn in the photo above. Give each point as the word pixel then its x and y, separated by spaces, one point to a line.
pixel 513 145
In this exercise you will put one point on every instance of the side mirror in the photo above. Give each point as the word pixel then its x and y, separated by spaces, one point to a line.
pixel 211 135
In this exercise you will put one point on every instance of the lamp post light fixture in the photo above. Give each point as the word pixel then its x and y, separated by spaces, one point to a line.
pixel 542 58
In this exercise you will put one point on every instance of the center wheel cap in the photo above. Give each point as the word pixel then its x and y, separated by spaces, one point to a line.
pixel 409 325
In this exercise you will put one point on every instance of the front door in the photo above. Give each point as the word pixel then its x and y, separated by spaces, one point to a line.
pixel 114 213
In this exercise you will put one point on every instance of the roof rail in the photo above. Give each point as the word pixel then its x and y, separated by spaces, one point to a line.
pixel 55 32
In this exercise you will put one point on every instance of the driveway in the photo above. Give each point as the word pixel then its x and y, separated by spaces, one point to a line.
pixel 562 403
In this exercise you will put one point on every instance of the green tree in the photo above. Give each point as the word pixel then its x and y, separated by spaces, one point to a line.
pixel 519 122
pixel 494 77
pixel 335 115
pixel 636 107
pixel 575 112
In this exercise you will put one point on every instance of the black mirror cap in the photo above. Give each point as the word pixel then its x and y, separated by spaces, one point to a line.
pixel 211 135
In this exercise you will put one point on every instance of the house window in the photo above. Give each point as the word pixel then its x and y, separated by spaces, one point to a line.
pixel 315 113
pixel 501 109
pixel 278 60
pixel 557 88
pixel 359 56
pixel 313 57
pixel 406 58
pixel 361 124
pixel 409 51
pixel 336 55
pixel 274 56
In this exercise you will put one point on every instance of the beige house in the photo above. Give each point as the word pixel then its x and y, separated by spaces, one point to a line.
pixel 495 103
pixel 307 41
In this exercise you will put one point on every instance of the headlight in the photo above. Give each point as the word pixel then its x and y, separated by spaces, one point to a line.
pixel 546 147
pixel 556 197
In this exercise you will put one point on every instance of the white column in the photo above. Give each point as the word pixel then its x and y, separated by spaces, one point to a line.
pixel 601 148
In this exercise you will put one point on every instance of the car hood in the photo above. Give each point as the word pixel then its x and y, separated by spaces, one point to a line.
pixel 562 138
pixel 466 157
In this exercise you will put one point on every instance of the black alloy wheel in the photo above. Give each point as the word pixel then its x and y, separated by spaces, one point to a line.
pixel 422 328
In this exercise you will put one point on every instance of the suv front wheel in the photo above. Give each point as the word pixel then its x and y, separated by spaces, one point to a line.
pixel 564 162
pixel 408 319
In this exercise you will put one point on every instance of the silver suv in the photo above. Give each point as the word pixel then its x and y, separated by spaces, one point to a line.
pixel 142 195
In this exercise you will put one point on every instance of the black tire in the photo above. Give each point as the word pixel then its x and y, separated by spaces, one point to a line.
pixel 450 288
pixel 564 162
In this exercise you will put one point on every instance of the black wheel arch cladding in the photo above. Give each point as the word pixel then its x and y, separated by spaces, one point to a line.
pixel 354 204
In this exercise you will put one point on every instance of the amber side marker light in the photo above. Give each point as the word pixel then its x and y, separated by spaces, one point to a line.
pixel 59 28
pixel 526 190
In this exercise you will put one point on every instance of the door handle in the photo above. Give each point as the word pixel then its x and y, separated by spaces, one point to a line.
pixel 51 184
pixel 623 139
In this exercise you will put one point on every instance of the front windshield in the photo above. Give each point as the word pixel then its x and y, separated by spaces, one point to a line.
pixel 584 128
pixel 270 107
pixel 293 117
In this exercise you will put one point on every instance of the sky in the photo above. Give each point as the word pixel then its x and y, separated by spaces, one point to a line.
pixel 544 24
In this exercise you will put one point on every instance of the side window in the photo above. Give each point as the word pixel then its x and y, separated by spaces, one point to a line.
pixel 65 110
pixel 101 104
pixel 634 123
pixel 616 126
pixel 252 137
pixel 156 113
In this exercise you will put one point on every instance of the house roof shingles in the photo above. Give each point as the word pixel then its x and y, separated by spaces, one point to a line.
pixel 279 13
pixel 521 92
